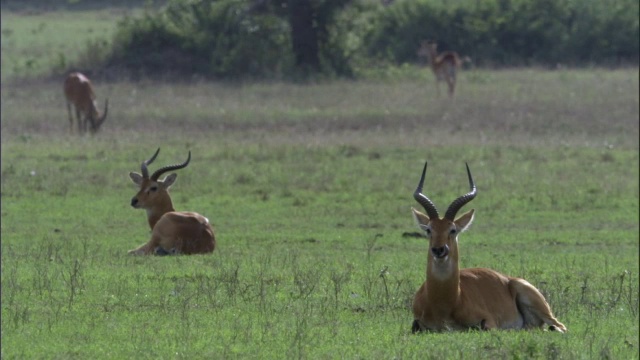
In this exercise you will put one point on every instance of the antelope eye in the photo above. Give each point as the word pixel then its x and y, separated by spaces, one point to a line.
pixel 428 231
pixel 452 231
pixel 153 188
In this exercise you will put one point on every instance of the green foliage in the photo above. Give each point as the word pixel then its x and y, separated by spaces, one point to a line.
pixel 341 25
pixel 200 38
pixel 512 32
pixel 245 39
pixel 207 38
pixel 346 38
pixel 224 39
pixel 604 30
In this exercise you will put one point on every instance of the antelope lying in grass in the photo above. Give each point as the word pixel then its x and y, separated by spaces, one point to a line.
pixel 457 299
pixel 172 232
pixel 444 65
pixel 79 93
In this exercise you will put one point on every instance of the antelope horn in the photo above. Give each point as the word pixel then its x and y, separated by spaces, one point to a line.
pixel 458 203
pixel 143 167
pixel 423 200
pixel 163 170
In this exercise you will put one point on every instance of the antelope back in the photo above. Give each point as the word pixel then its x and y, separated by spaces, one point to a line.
pixel 78 90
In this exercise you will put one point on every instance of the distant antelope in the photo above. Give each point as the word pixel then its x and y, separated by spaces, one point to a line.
pixel 172 232
pixel 444 65
pixel 458 299
pixel 79 93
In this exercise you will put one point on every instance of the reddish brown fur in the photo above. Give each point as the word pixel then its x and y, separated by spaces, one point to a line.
pixel 444 65
pixel 172 231
pixel 79 93
pixel 455 299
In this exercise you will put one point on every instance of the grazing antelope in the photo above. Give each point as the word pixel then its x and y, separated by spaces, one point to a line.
pixel 172 232
pixel 457 299
pixel 444 66
pixel 79 93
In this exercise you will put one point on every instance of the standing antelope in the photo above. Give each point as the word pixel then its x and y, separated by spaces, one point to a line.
pixel 79 93
pixel 444 65
pixel 172 232
pixel 457 299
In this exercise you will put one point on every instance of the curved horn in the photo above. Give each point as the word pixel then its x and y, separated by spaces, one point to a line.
pixel 143 167
pixel 163 170
pixel 423 200
pixel 458 203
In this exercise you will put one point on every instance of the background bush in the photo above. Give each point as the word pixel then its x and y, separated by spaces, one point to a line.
pixel 253 38
pixel 211 38
pixel 512 32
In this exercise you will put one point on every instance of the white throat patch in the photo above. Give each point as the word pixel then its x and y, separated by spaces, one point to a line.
pixel 442 270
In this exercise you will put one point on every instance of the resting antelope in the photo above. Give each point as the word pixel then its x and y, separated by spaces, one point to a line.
pixel 172 232
pixel 457 299
pixel 79 93
pixel 444 66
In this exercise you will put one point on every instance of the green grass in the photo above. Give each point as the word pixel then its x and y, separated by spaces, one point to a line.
pixel 41 36
pixel 309 189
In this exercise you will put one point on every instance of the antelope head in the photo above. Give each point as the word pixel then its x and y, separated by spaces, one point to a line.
pixel 95 119
pixel 427 49
pixel 153 195
pixel 442 233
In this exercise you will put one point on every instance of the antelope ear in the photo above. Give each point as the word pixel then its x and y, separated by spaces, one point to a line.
pixel 136 178
pixel 420 218
pixel 169 180
pixel 464 221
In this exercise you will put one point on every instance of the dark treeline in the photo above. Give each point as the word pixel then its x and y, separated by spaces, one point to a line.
pixel 280 39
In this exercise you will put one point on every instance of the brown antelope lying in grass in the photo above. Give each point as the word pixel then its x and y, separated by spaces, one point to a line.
pixel 457 299
pixel 172 232
pixel 79 93
pixel 444 66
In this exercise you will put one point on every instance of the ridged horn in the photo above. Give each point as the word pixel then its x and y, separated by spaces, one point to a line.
pixel 163 170
pixel 143 167
pixel 423 200
pixel 458 203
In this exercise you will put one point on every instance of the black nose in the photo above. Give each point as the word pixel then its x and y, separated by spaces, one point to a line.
pixel 134 202
pixel 440 252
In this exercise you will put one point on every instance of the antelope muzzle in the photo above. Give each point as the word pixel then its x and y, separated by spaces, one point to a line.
pixel 440 252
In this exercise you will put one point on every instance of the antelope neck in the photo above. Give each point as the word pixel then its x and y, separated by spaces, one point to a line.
pixel 433 54
pixel 154 214
pixel 443 289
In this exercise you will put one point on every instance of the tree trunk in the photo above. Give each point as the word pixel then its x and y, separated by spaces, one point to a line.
pixel 304 34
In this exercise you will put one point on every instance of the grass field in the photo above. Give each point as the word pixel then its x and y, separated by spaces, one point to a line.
pixel 41 36
pixel 309 189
